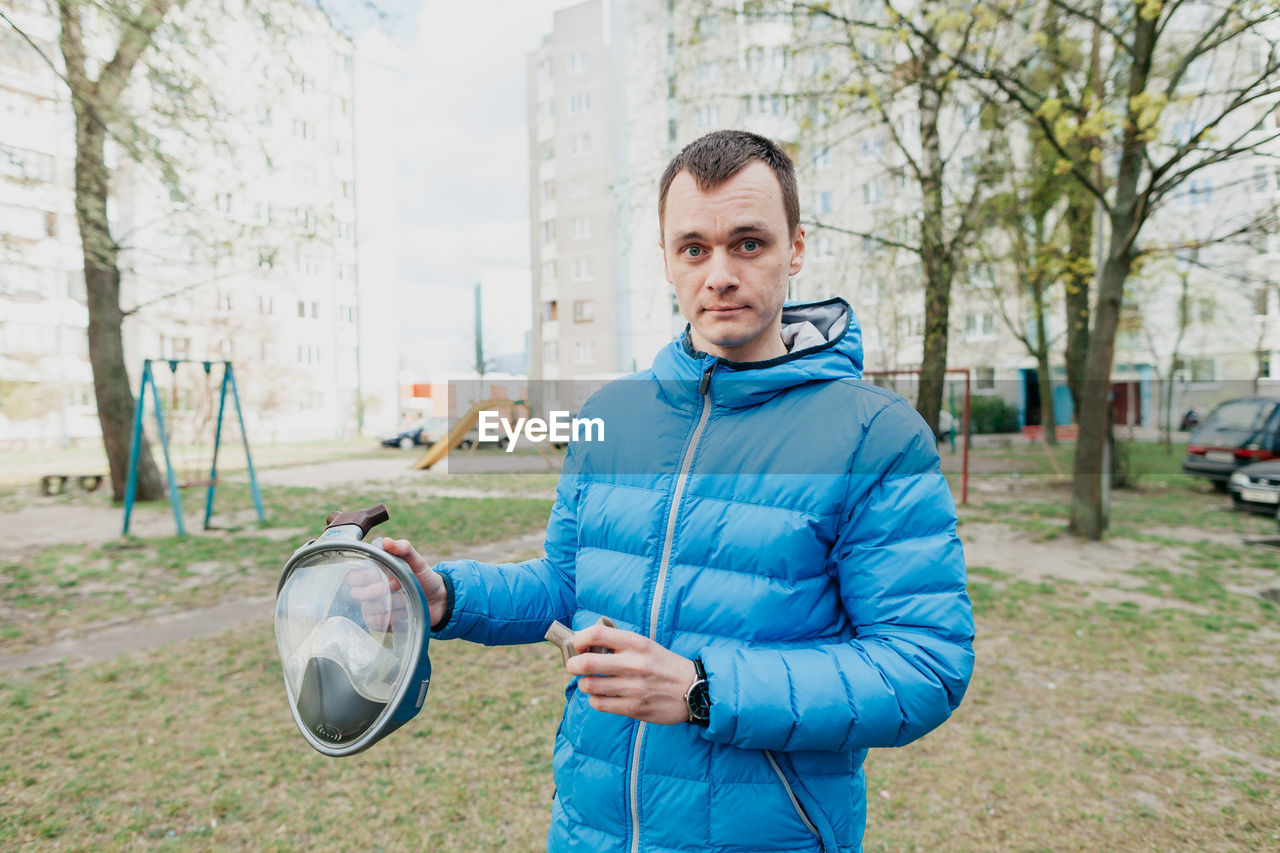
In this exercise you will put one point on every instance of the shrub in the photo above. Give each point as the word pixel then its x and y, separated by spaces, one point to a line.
pixel 992 414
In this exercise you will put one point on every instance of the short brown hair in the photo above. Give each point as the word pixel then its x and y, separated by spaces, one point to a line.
pixel 715 158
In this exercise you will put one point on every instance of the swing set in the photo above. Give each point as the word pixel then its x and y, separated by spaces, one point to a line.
pixel 191 408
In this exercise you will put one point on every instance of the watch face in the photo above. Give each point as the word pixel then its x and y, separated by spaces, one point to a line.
pixel 699 701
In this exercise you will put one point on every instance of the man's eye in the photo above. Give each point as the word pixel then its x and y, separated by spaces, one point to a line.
pixel 693 251
pixel 750 245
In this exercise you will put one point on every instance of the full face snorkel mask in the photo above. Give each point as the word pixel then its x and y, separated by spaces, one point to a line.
pixel 351 626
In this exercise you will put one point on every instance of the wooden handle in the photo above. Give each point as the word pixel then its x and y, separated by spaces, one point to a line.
pixel 365 519
pixel 562 638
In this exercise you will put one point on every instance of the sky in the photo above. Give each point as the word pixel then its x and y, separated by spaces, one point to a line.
pixel 463 167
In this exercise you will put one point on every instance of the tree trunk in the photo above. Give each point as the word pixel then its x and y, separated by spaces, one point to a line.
pixel 111 388
pixel 936 257
pixel 1088 518
pixel 1128 214
pixel 1079 218
pixel 1048 419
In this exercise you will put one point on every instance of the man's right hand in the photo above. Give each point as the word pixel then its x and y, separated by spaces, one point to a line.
pixel 431 582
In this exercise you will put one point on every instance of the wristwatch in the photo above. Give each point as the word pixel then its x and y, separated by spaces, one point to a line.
pixel 698 697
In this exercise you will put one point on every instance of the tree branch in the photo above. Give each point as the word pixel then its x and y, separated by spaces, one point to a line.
pixel 1090 18
pixel 135 37
pixel 906 247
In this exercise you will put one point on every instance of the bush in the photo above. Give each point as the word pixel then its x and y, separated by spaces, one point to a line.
pixel 992 414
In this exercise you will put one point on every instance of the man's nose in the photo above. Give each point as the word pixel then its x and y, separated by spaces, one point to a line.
pixel 722 273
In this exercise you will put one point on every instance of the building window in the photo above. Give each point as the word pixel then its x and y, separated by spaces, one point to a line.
pixel 1196 370
pixel 580 228
pixel 579 61
pixel 1199 191
pixel 824 247
pixel 550 350
pixel 549 311
pixel 548 272
pixel 584 352
pixel 302 308
pixel 580 103
pixel 579 144
pixel 873 194
pixel 546 151
pixel 871 147
pixel 708 115
pixel 549 231
pixel 980 275
pixel 822 201
pixel 548 190
pixel 1262 305
pixel 984 379
pixel 584 310
pixel 1261 179
pixel 821 159
pixel 1264 364
pixel 980 326
pixel 579 188
pixel 581 269
pixel 706 73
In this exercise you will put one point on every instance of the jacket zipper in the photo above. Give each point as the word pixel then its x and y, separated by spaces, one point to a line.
pixel 792 796
pixel 704 390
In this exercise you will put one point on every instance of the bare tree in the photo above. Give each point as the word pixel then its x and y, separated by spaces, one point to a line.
pixel 133 73
pixel 96 102
pixel 906 87
pixel 1188 87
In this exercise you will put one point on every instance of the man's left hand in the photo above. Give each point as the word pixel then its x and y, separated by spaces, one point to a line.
pixel 638 678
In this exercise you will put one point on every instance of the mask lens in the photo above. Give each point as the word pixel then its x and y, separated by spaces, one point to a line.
pixel 343 630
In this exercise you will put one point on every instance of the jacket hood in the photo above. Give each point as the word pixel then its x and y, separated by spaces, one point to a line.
pixel 681 368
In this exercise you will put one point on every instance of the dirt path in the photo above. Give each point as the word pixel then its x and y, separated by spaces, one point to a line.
pixel 106 643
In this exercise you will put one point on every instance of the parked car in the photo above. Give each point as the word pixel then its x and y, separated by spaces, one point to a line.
pixel 422 432
pixel 1235 434
pixel 1256 487
pixel 946 427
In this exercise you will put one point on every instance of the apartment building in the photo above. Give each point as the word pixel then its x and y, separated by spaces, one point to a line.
pixel 572 137
pixel 681 70
pixel 258 248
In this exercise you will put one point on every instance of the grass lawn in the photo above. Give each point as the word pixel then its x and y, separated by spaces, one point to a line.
pixel 1089 725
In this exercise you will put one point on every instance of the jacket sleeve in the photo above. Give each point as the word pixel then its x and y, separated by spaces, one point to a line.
pixel 515 603
pixel 901 577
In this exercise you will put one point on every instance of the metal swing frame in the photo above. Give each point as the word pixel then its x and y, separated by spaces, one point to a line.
pixel 135 443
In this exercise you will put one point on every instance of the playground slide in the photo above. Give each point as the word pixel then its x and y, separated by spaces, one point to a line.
pixel 458 431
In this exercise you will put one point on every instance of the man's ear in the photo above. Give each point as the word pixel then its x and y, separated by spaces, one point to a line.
pixel 666 268
pixel 797 251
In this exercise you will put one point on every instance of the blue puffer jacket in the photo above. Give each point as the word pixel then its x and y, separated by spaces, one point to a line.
pixel 789 524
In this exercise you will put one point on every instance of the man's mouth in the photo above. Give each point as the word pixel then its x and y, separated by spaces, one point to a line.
pixel 724 309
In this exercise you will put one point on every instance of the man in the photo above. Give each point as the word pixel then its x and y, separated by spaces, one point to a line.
pixel 772 536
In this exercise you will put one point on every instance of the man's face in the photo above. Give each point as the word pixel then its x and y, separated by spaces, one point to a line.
pixel 729 253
